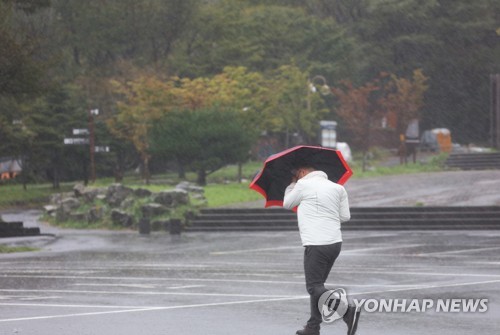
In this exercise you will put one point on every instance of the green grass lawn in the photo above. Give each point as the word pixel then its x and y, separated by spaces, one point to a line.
pixel 8 250
pixel 13 195
pixel 435 164
pixel 222 189
pixel 224 194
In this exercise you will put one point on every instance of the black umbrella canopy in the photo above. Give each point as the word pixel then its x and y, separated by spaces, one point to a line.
pixel 276 174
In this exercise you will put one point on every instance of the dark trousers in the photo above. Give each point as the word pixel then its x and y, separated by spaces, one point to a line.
pixel 318 261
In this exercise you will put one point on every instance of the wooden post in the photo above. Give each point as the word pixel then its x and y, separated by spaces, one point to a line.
pixel 92 144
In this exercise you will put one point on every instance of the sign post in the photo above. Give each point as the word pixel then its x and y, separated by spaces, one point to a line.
pixel 92 112
pixel 88 140
pixel 328 135
pixel 76 141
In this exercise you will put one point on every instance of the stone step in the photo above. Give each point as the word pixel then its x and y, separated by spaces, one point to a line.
pixel 354 216
pixel 227 219
pixel 16 228
pixel 357 210
pixel 474 161
pixel 15 232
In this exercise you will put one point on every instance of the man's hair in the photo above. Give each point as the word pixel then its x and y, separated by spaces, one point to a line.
pixel 302 166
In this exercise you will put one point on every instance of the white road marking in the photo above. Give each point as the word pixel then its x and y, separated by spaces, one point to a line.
pixel 486 263
pixel 243 251
pixel 461 251
pixel 147 309
pixel 116 285
pixel 381 248
pixel 184 287
pixel 77 314
pixel 411 273
pixel 375 285
pixel 154 309
pixel 429 287
pixel 254 281
pixel 149 293
pixel 26 298
pixel 76 306
pixel 407 255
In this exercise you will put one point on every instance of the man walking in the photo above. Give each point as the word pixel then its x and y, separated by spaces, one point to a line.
pixel 322 207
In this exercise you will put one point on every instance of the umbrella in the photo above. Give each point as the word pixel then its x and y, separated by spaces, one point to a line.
pixel 276 175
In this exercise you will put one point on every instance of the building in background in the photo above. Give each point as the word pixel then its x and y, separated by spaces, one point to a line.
pixel 9 168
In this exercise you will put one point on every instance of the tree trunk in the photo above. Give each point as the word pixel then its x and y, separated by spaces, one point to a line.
pixel 85 173
pixel 119 167
pixel 55 178
pixel 181 170
pixel 147 175
pixel 202 177
pixel 240 172
pixel 25 173
pixel 366 146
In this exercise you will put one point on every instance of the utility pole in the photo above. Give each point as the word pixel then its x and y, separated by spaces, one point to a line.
pixel 92 113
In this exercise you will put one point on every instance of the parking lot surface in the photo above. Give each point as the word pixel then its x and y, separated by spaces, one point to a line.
pixel 95 282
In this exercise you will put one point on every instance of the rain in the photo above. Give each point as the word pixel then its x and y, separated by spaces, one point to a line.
pixel 147 148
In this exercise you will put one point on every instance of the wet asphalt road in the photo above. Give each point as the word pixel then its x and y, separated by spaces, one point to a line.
pixel 101 282
pixel 446 188
pixel 91 282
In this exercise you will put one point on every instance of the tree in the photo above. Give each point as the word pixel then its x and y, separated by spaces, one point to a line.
pixel 148 98
pixel 234 88
pixel 293 108
pixel 20 73
pixel 458 96
pixel 143 103
pixel 343 11
pixel 22 81
pixel 357 107
pixel 202 140
pixel 404 99
pixel 261 38
pixel 396 98
pixel 453 42
pixel 34 133
pixel 99 33
pixel 28 6
pixel 16 140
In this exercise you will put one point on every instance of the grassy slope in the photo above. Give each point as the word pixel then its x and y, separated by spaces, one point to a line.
pixel 221 190
pixel 7 250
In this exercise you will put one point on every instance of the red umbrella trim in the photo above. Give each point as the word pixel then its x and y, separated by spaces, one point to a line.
pixel 270 203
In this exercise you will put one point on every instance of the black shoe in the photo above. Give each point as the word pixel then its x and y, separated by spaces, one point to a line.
pixel 308 331
pixel 351 317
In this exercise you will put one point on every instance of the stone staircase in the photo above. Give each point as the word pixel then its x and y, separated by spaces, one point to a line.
pixel 14 229
pixel 474 161
pixel 362 218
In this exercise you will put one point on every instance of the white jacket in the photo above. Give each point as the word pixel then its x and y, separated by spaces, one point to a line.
pixel 322 206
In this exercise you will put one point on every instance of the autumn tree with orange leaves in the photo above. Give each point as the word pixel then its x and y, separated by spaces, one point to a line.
pixel 398 99
pixel 142 102
pixel 404 99
pixel 357 107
